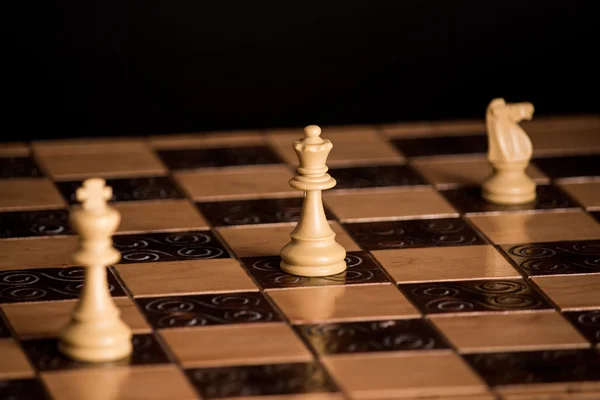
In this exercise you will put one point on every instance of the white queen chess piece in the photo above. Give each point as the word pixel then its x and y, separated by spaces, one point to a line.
pixel 95 332
pixel 509 152
pixel 313 250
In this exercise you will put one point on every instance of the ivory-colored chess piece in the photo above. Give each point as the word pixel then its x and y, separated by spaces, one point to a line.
pixel 509 152
pixel 95 332
pixel 313 250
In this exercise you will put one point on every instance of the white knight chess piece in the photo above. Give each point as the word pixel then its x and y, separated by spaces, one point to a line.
pixel 509 152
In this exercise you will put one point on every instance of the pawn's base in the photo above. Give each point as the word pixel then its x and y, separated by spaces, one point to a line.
pixel 114 352
pixel 314 271
pixel 510 198
pixel 85 340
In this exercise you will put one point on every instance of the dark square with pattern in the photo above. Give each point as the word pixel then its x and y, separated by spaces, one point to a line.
pixel 176 246
pixel 469 200
pixel 19 167
pixel 5 331
pixel 45 356
pixel 474 296
pixel 372 336
pixel 34 223
pixel 129 189
pixel 554 258
pixel 252 212
pixel 361 269
pixel 261 380
pixel 530 367
pixel 48 284
pixel 376 176
pixel 444 145
pixel 207 309
pixel 22 389
pixel 218 157
pixel 587 322
pixel 414 233
pixel 569 167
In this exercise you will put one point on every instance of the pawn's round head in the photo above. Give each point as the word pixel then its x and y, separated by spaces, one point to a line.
pixel 312 131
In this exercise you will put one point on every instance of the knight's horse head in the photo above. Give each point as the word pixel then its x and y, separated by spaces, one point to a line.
pixel 515 112
pixel 507 140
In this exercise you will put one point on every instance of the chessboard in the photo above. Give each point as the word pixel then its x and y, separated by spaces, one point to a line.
pixel 446 296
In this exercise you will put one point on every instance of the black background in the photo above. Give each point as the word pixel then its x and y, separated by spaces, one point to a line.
pixel 99 68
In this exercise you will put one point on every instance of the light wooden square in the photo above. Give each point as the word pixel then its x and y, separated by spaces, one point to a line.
pixel 391 204
pixel 148 383
pixel 343 303
pixel 404 376
pixel 236 345
pixel 433 129
pixel 586 193
pixel 46 319
pixel 246 183
pixel 29 194
pixel 537 227
pixel 253 241
pixel 572 292
pixel 13 362
pixel 357 147
pixel 446 172
pixel 81 165
pixel 167 215
pixel 185 277
pixel 37 253
pixel 445 264
pixel 509 332
pixel 14 149
pixel 208 139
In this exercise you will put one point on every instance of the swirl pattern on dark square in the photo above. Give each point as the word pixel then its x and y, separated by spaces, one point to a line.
pixel 22 389
pixel 444 145
pixel 34 223
pixel 474 296
pixel 376 176
pixel 361 269
pixel 129 189
pixel 154 247
pixel 47 284
pixel 569 167
pixel 372 336
pixel 19 167
pixel 218 157
pixel 587 322
pixel 414 234
pixel 261 380
pixel 207 309
pixel 469 200
pixel 531 367
pixel 252 212
pixel 555 258
pixel 45 356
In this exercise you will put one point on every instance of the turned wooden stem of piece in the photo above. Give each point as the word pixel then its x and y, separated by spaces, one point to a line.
pixel 95 332
pixel 313 250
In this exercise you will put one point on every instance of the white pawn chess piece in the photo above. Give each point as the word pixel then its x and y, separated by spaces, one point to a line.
pixel 313 250
pixel 95 332
pixel 509 153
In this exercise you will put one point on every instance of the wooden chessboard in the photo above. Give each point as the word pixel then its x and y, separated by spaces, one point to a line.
pixel 445 296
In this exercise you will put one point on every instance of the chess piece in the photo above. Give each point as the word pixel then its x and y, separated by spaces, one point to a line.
pixel 509 152
pixel 95 332
pixel 312 250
